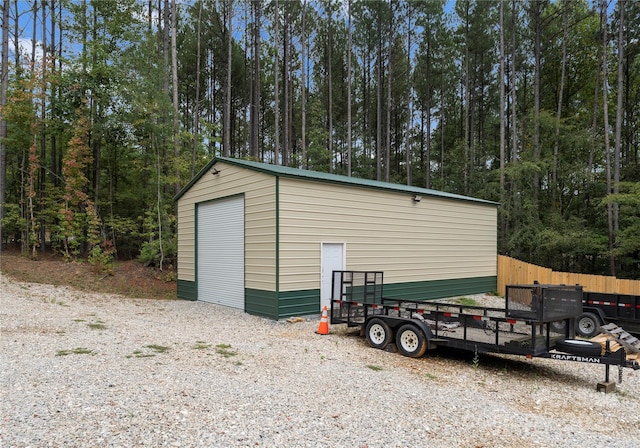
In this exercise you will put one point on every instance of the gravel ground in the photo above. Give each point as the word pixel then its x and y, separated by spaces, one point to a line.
pixel 94 370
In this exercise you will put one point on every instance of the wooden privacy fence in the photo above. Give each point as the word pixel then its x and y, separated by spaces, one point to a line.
pixel 514 272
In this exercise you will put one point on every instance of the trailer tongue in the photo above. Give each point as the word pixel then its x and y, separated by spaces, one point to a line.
pixel 536 321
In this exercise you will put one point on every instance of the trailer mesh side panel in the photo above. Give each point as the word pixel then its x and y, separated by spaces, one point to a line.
pixel 543 303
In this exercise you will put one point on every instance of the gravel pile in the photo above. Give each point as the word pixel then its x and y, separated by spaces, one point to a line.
pixel 89 370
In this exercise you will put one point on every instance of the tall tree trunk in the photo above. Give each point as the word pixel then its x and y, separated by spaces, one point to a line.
pixel 607 149
pixel 196 110
pixel 537 23
pixel 35 32
pixel 409 103
pixel 246 81
pixel 563 64
pixel 514 94
pixel 174 82
pixel 596 103
pixel 514 198
pixel 43 136
pixel 387 166
pixel 285 89
pixel 303 90
pixel 330 80
pixel 502 102
pixel 96 112
pixel 255 89
pixel 276 93
pixel 379 99
pixel 619 107
pixel 226 134
pixel 443 122
pixel 4 83
pixel 502 122
pixel 54 173
pixel 427 108
pixel 349 75
pixel 467 101
pixel 166 25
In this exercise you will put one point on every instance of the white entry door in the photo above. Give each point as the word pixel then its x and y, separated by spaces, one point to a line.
pixel 333 259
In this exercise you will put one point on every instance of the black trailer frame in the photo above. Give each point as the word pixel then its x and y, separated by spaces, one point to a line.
pixel 537 321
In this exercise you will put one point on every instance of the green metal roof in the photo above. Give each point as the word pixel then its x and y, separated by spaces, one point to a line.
pixel 285 171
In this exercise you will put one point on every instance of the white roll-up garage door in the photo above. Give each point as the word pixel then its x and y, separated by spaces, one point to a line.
pixel 220 264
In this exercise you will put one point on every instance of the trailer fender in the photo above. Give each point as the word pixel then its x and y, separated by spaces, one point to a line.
pixel 579 347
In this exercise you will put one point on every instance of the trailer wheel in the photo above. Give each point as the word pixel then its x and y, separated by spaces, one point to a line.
pixel 558 326
pixel 587 325
pixel 579 347
pixel 378 333
pixel 411 341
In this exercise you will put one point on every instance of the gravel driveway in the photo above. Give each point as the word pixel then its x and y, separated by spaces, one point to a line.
pixel 94 370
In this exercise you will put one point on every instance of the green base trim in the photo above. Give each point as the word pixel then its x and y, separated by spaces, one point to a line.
pixel 187 290
pixel 299 303
pixel 261 303
pixel 438 289
pixel 286 304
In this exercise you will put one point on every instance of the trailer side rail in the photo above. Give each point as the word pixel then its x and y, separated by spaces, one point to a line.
pixel 467 327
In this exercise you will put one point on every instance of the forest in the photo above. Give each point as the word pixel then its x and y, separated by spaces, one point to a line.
pixel 109 107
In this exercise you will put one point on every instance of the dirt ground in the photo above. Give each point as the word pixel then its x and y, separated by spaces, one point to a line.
pixel 129 278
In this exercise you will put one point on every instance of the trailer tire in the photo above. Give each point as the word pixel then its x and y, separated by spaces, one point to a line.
pixel 558 326
pixel 587 325
pixel 378 333
pixel 411 341
pixel 579 347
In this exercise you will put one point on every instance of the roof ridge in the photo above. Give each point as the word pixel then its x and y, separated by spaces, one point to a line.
pixel 318 176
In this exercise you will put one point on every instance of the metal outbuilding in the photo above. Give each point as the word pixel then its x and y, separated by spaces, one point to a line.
pixel 266 238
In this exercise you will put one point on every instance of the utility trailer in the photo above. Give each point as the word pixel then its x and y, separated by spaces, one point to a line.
pixel 600 309
pixel 536 321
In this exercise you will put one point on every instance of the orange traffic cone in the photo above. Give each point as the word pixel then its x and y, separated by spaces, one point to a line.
pixel 323 328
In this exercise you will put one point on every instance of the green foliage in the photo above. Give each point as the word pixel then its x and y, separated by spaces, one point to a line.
pixel 101 257
pixel 13 224
pixel 94 153
pixel 153 252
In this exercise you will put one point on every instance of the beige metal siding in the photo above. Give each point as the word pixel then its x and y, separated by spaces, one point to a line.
pixel 260 222
pixel 434 239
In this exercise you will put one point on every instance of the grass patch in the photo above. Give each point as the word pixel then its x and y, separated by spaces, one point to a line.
pixel 375 368
pixel 75 351
pixel 158 348
pixel 201 345
pixel 430 376
pixel 225 350
pixel 145 353
pixel 466 301
pixel 97 326
pixel 142 355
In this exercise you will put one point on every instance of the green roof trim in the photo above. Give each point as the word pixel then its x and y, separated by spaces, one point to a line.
pixel 285 171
